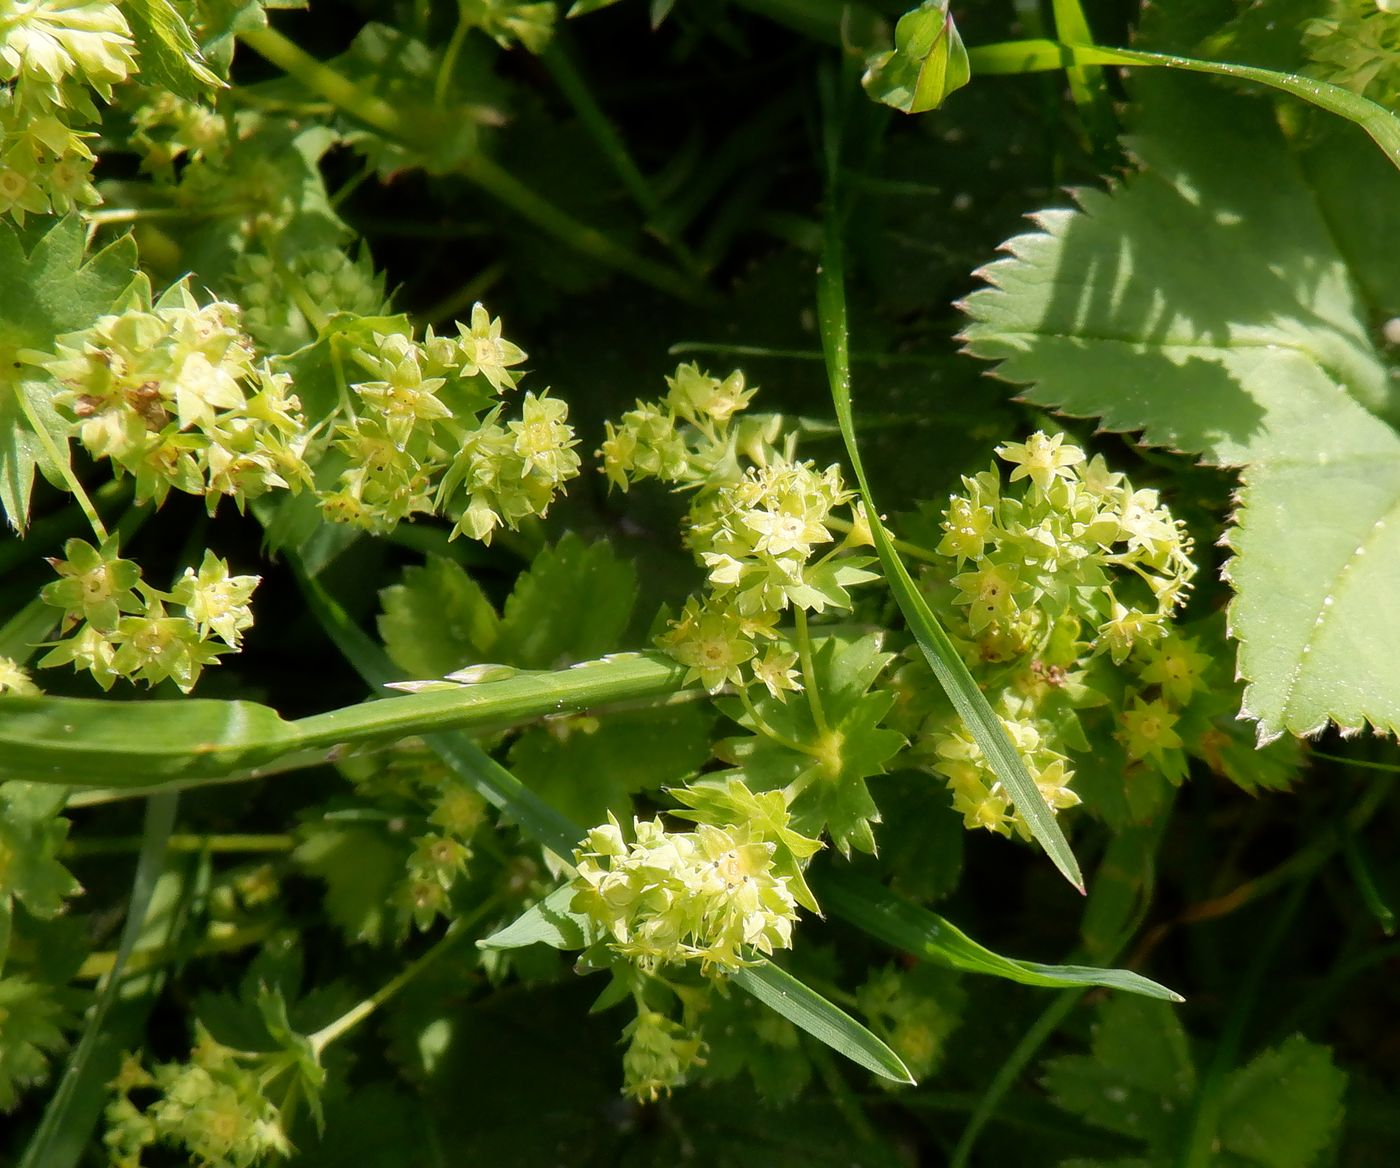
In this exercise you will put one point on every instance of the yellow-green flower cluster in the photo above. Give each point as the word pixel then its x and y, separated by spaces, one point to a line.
pixel 1062 547
pixel 52 53
pixel 709 896
pixel 415 441
pixel 167 128
pixel 211 1108
pixel 15 680
pixel 173 397
pixel 914 1010
pixel 761 523
pixel 689 436
pixel 1047 583
pixel 440 857
pixel 979 796
pixel 660 1053
pixel 510 22
pixel 119 626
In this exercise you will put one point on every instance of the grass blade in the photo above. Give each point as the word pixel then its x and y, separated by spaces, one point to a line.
pixel 782 992
pixel 70 1108
pixel 808 1010
pixel 495 784
pixel 876 910
pixel 947 665
pixel 146 743
pixel 1034 56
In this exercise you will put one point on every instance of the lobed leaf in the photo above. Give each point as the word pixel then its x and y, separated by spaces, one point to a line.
pixel 170 59
pixel 50 290
pixel 1105 312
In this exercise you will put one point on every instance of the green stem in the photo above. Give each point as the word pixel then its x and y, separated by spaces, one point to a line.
pixel 47 532
pixel 1200 1150
pixel 101 963
pixel 351 1018
pixel 109 216
pixel 912 550
pixel 1010 1070
pixel 449 57
pixel 560 63
pixel 64 463
pixel 809 673
pixel 520 198
pixel 187 842
pixel 526 203
pixel 450 306
pixel 767 731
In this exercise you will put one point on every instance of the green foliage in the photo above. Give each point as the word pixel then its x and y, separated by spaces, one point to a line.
pixel 927 63
pixel 732 655
pixel 1278 1111
pixel 1235 364
pixel 53 288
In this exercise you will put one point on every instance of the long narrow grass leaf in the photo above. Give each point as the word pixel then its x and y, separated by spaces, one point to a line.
pixel 84 741
pixel 1034 56
pixel 808 1010
pixel 876 910
pixel 943 658
pixel 495 784
pixel 64 1115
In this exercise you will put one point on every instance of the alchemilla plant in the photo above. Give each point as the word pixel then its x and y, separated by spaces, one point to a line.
pixel 524 620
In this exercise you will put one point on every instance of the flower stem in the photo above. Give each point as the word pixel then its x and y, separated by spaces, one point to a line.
pixel 187 842
pixel 809 673
pixel 64 464
pixel 362 1010
pixel 398 124
pixel 767 731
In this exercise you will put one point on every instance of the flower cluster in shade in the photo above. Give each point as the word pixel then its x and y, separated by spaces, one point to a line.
pixel 54 56
pixel 282 299
pixel 713 896
pixel 212 1108
pixel 1047 583
pixel 118 625
pixel 761 523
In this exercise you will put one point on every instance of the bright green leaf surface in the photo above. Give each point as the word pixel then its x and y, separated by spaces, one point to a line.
pixel 1147 308
pixel 809 1011
pixel 572 605
pixel 50 290
pixel 437 620
pixel 928 61
pixel 550 922
pixel 903 924
pixel 838 800
pixel 169 57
